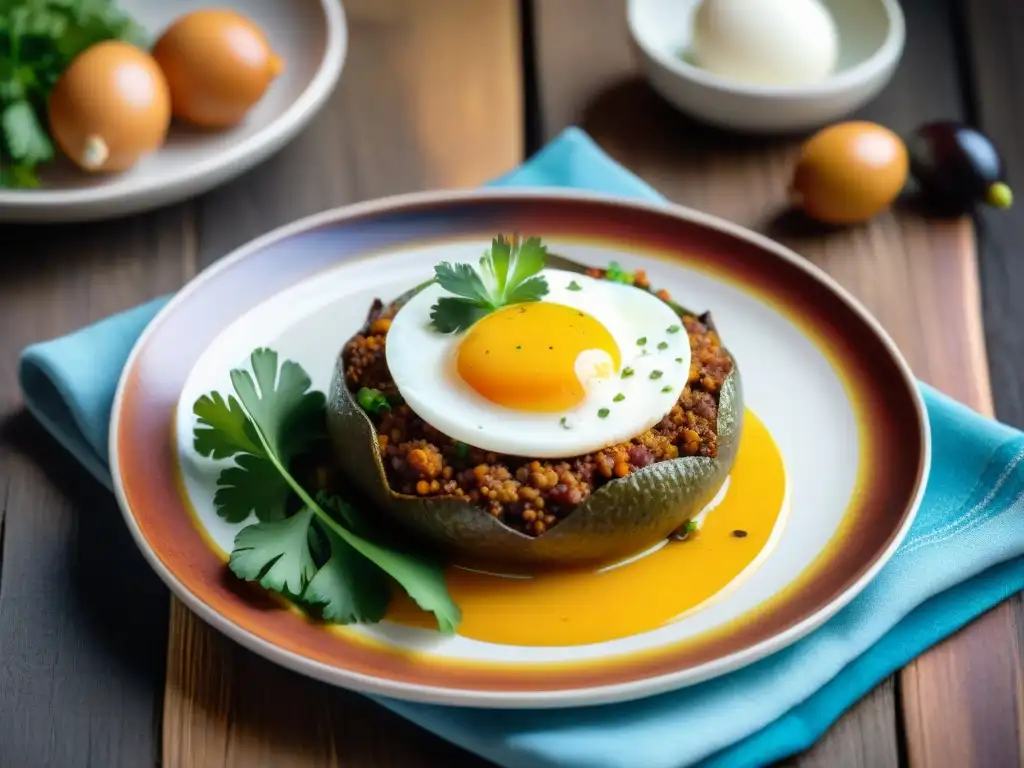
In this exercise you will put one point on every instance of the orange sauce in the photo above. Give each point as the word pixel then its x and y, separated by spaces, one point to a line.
pixel 565 608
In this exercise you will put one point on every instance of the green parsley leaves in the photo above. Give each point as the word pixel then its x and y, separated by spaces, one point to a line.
pixel 38 39
pixel 316 551
pixel 508 273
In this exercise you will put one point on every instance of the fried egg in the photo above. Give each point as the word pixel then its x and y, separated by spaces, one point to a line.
pixel 592 364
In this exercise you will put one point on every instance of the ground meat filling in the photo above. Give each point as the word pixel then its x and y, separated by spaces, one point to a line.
pixel 528 495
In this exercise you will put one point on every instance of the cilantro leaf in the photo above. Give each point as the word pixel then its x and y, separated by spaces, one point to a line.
pixel 276 554
pixel 507 274
pixel 343 512
pixel 286 418
pixel 450 315
pixel 289 416
pixel 421 577
pixel 528 259
pixel 19 177
pixel 529 290
pixel 27 141
pixel 11 88
pixel 496 262
pixel 348 588
pixel 223 429
pixel 251 486
pixel 463 280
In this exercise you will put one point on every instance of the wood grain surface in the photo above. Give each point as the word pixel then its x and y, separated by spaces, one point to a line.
pixel 81 678
pixel 433 95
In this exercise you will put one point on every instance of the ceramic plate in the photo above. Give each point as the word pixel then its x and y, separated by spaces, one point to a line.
pixel 311 37
pixel 830 470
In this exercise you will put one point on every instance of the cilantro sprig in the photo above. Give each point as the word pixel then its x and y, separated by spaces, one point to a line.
pixel 311 548
pixel 507 274
pixel 38 40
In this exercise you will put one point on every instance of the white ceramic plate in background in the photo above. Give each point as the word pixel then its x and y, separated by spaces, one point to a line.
pixel 312 38
pixel 871 40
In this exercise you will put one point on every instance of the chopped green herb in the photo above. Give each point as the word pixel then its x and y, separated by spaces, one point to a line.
pixel 679 359
pixel 372 400
pixel 656 374
pixel 617 274
pixel 508 274
pixel 564 422
pixel 627 372
pixel 667 388
pixel 673 329
pixel 574 286
pixel 618 398
pixel 603 413
pixel 685 531
pixel 662 345
pixel 461 449
pixel 641 341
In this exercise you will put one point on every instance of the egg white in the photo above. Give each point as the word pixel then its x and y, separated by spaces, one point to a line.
pixel 422 364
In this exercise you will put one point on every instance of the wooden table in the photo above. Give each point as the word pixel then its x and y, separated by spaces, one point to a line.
pixel 98 667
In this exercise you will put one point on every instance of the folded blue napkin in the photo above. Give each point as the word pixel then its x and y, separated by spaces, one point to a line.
pixel 964 554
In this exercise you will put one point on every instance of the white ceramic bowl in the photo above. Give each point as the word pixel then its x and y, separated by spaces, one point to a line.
pixel 310 35
pixel 871 39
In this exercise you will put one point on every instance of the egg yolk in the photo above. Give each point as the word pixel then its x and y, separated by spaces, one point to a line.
pixel 527 356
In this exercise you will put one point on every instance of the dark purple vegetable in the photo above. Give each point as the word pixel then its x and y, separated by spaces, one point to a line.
pixel 957 167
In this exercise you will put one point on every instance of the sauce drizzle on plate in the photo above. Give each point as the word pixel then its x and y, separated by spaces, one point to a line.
pixel 567 608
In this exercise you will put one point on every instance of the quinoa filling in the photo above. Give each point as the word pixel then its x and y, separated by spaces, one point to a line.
pixel 526 494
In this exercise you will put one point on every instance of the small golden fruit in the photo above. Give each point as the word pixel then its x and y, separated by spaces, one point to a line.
pixel 849 172
pixel 218 65
pixel 110 107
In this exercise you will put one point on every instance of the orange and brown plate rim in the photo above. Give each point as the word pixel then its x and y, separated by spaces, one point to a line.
pixel 887 407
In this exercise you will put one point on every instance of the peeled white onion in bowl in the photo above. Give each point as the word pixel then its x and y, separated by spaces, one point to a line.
pixel 772 42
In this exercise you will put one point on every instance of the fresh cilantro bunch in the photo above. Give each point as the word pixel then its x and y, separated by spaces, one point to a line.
pixel 311 548
pixel 508 274
pixel 38 39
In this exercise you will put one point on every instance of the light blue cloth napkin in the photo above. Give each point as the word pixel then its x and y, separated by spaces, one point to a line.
pixel 964 554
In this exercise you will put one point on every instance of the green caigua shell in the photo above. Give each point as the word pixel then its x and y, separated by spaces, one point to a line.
pixel 624 516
